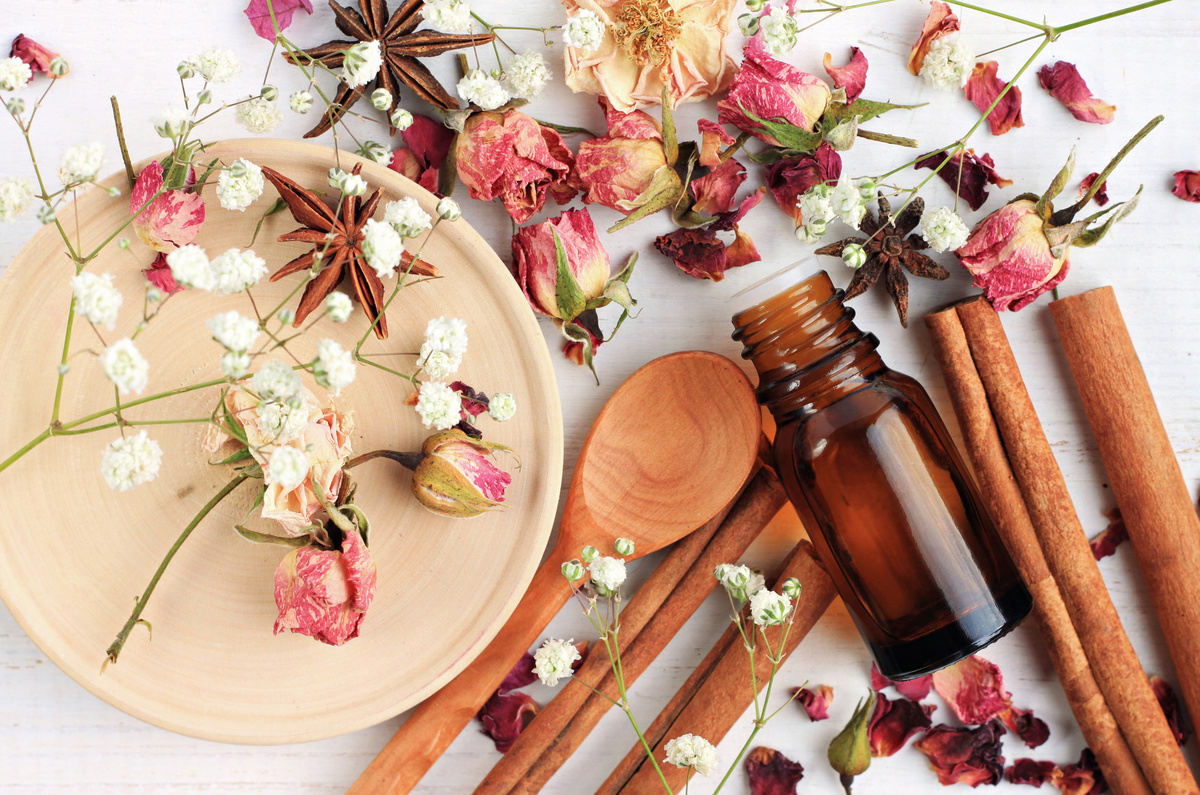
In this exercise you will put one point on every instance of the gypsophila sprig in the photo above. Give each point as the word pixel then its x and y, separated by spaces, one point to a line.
pixel 502 408
pixel 779 30
pixel 375 152
pixel 236 364
pixel 607 574
pixel 15 74
pixel 172 122
pixel 448 209
pixel 96 298
pixel 276 381
pixel 81 164
pixel 232 331
pixel 437 364
pixel 584 31
pixel 300 102
pixel 481 89
pixel 287 468
pixel 130 461
pixel 334 366
pixel 769 608
pixel 943 229
pixel 190 267
pixel 16 196
pixel 438 405
pixel 258 116
pixel 338 306
pixel 382 247
pixel 553 660
pixel 447 334
pixel 236 270
pixel 854 255
pixel 407 217
pixel 381 98
pixel 361 63
pixel 948 63
pixel 447 16
pixel 690 750
pixel 624 547
pixel 401 119
pixel 217 65
pixel 572 570
pixel 238 188
pixel 280 423
pixel 125 366
pixel 846 201
pixel 526 75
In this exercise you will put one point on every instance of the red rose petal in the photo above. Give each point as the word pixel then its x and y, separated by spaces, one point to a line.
pixel 790 179
pixel 772 773
pixel 428 142
pixel 696 252
pixel 983 87
pixel 259 15
pixel 964 756
pixel 1105 542
pixel 36 56
pixel 974 690
pixel 852 76
pixel 915 689
pixel 815 702
pixel 1033 731
pixel 967 175
pixel 1100 196
pixel 1032 772
pixel 940 22
pixel 1187 185
pixel 712 139
pixel 159 274
pixel 1170 707
pixel 1064 84
pixel 1083 778
pixel 505 716
pixel 521 674
pixel 713 193
pixel 893 723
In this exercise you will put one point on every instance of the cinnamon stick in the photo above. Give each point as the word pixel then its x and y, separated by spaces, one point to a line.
pixel 1007 509
pixel 1113 660
pixel 714 697
pixel 648 623
pixel 1142 470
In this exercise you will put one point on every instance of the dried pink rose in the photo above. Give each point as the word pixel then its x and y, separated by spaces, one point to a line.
pixel 1032 773
pixel 1064 84
pixel 426 144
pixel 456 477
pixel 1101 194
pixel 36 56
pixel 974 690
pixel 701 254
pixel 893 723
pixel 852 76
pixel 1010 257
pixel 172 219
pixel 770 98
pixel 983 87
pixel 772 773
pixel 790 179
pixel 159 274
pixel 510 157
pixel 1170 707
pixel 967 175
pixel 815 701
pixel 627 167
pixel 325 441
pixel 941 21
pixel 1032 730
pixel 964 756
pixel 1187 185
pixel 712 139
pixel 259 14
pixel 713 193
pixel 1105 542
pixel 533 250
pixel 915 689
pixel 325 593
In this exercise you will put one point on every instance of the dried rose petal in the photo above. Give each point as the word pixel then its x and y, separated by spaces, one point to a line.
pixel 521 674
pixel 505 716
pixel 792 178
pixel 1187 185
pixel 696 252
pixel 967 175
pixel 1105 542
pixel 983 87
pixel 426 144
pixel 713 193
pixel 915 689
pixel 895 722
pixel 1064 84
pixel 474 403
pixel 852 76
pixel 1032 772
pixel 1170 707
pixel 974 690
pixel 1083 778
pixel 259 14
pixel 36 56
pixel 964 756
pixel 172 219
pixel 159 274
pixel 590 323
pixel 712 138
pixel 1033 731
pixel 815 702
pixel 1100 196
pixel 940 22
pixel 772 773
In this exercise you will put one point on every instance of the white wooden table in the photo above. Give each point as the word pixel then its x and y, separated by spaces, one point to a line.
pixel 55 737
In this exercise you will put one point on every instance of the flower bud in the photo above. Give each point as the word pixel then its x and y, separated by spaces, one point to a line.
pixel 589 554
pixel 123 243
pixel 335 177
pixel 153 295
pixel 756 5
pixel 381 98
pixel 791 588
pixel 448 209
pixel 850 751
pixel 301 102
pixel 269 93
pixel 374 151
pixel 455 476
pixel 401 119
pixel 113 191
pixel 238 169
pixel 204 97
pixel 573 570
pixel 59 66
pixel 46 214
pixel 854 255
pixel 63 369
pixel 624 547
pixel 867 188
pixel 287 315
pixel 186 69
pixel 354 185
pixel 15 106
pixel 748 23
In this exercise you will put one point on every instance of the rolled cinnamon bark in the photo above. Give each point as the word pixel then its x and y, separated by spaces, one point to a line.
pixel 1142 470
pixel 1007 508
pixel 562 726
pixel 717 693
pixel 1065 545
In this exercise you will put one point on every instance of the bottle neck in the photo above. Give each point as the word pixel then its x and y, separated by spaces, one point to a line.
pixel 806 348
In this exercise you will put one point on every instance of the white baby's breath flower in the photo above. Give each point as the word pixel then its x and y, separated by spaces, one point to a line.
pixel 361 63
pixel 526 75
pixel 280 422
pixel 816 204
pixel 943 230
pixel 81 163
pixel 125 366
pixel 768 608
pixel 239 192
pixel 172 122
pixel 483 90
pixel 779 30
pixel 381 98
pixel 447 16
pixel 130 461
pixel 287 468
pixel 237 270
pixel 448 209
pixel 96 298
pixel 847 202
pixel 607 574
pixel 732 576
pixel 190 267
pixel 352 185
pixel 690 750
pixel 217 65
pixel 440 406
pixel 258 116
pixel 235 364
pixel 375 152
pixel 276 381
pixel 448 334
pixel 382 247
pixel 15 74
pixel 553 659
pixel 584 31
pixel 502 407
pixel 948 64
pixel 338 306
pixel 301 102
pixel 16 194
pixel 401 119
pixel 233 331
pixel 334 367
pixel 756 584
pixel 438 365
pixel 407 217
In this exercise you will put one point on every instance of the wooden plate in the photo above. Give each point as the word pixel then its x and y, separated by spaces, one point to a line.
pixel 73 554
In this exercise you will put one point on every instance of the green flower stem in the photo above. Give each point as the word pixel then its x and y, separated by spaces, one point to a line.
pixel 1016 43
pixel 1009 17
pixel 401 283
pixel 492 29
pixel 114 650
pixel 1110 15
pixel 139 401
pixel 62 364
pixel 614 657
pixel 41 437
pixel 134 423
pixel 378 366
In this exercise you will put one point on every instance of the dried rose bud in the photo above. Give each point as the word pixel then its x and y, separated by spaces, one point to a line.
pixel 325 593
pixel 850 752
pixel 456 477
pixel 561 293
pixel 774 101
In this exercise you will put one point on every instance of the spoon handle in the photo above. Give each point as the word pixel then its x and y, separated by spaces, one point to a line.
pixel 432 727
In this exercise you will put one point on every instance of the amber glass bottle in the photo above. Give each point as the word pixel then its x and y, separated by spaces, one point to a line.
pixel 875 477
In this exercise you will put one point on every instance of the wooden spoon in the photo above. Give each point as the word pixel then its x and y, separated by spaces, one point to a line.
pixel 670 448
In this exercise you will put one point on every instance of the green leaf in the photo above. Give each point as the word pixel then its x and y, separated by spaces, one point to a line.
pixel 789 135
pixel 279 205
pixel 1056 187
pixel 575 333
pixel 664 191
pixel 567 291
pixel 258 500
pixel 670 142
pixel 1093 236
pixel 231 425
pixel 200 183
pixel 267 538
pixel 238 455
pixel 563 129
pixel 864 109
pixel 773 155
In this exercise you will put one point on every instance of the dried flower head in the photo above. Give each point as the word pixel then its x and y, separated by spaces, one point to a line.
pixel 16 195
pixel 553 661
pixel 334 366
pixel 438 405
pixel 240 185
pixel 125 366
pixel 690 750
pixel 234 332
pixel 96 298
pixel 502 407
pixel 130 461
pixel 258 116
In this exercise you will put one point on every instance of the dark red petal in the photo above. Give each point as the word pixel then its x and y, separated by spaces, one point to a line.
pixel 1170 707
pixel 852 76
pixel 1033 731
pixel 772 773
pixel 1064 84
pixel 729 220
pixel 696 252
pixel 159 274
pixel 1105 542
pixel 1083 778
pixel 1031 772
pixel 1100 196
pixel 36 56
pixel 815 702
pixel 967 175
pixel 790 179
pixel 915 689
pixel 505 716
pixel 893 723
pixel 475 403
pixel 974 690
pixel 713 193
pixel 1187 185
pixel 983 87
pixel 964 756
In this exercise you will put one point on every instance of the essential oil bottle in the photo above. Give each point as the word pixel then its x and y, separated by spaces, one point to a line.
pixel 876 479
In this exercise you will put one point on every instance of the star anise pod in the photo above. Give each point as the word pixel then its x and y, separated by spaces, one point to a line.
pixel 337 238
pixel 400 44
pixel 890 251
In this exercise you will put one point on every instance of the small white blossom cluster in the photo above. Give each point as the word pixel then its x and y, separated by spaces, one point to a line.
pixel 479 88
pixel 240 185
pixel 382 247
pixel 14 74
pixel 447 16
pixel 234 332
pixel 334 366
pixel 125 366
pixel 502 407
pixel 847 200
pixel 943 230
pixel 276 381
pixel 741 582
pixel 526 75
pixel 258 116
pixel 769 609
pixel 280 422
pixel 96 298
pixel 16 194
pixel 440 406
pixel 130 461
pixel 584 31
pixel 81 163
pixel 338 306
pixel 554 660
pixel 172 122
pixel 607 574
pixel 300 102
pixel 443 349
pixel 229 273
pixel 779 30
pixel 361 63
pixel 287 467
pixel 216 65
pixel 407 217
pixel 948 64
pixel 690 750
